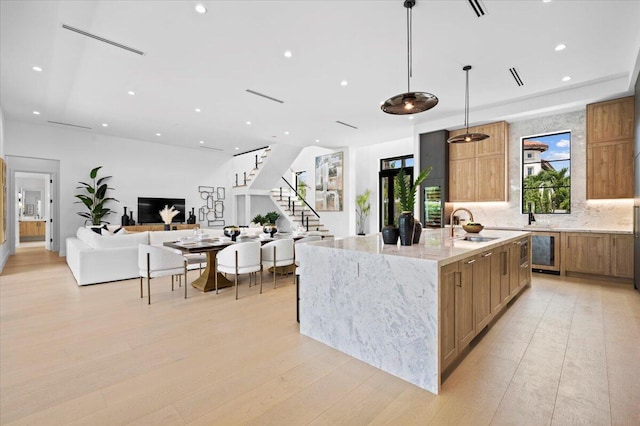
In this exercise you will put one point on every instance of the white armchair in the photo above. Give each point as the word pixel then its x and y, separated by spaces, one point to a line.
pixel 278 253
pixel 156 262
pixel 239 258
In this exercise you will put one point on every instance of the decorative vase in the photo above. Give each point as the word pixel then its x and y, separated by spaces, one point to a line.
pixel 131 221
pixel 124 220
pixel 167 227
pixel 192 217
pixel 270 229
pixel 231 231
pixel 406 226
pixel 390 234
pixel 417 231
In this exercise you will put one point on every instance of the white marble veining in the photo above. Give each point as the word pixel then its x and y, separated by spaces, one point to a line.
pixel 379 303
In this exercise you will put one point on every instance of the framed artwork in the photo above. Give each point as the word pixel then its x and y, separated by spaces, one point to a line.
pixel 329 178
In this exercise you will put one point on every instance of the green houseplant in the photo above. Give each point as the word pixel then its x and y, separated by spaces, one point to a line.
pixel 95 198
pixel 407 197
pixel 268 219
pixel 363 208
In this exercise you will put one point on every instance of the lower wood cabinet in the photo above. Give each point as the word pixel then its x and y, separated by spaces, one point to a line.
pixel 622 255
pixel 32 228
pixel 175 226
pixel 473 291
pixel 586 252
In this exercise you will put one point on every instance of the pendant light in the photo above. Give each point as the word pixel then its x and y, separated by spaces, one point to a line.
pixel 467 137
pixel 409 102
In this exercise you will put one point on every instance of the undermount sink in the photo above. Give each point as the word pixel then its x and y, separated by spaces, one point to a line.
pixel 477 239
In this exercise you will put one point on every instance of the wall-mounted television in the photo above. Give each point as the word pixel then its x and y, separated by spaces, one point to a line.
pixel 149 209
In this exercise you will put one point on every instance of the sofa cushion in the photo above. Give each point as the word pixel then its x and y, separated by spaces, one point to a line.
pixel 96 241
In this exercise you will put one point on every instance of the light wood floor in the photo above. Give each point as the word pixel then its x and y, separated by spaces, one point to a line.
pixel 567 352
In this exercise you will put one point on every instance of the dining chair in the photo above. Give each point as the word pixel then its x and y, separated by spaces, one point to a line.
pixel 154 262
pixel 278 254
pixel 239 258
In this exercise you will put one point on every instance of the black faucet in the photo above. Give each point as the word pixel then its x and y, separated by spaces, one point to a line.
pixel 531 218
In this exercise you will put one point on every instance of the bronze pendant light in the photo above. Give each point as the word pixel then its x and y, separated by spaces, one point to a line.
pixel 467 137
pixel 409 102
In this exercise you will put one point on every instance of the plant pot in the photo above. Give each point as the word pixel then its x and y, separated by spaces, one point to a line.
pixel 390 234
pixel 417 231
pixel 406 225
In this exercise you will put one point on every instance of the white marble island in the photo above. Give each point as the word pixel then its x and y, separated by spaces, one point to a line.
pixel 381 303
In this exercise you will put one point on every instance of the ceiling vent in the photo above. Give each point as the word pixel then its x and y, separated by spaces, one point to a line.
pixel 516 76
pixel 346 124
pixel 102 39
pixel 70 125
pixel 477 7
pixel 210 147
pixel 253 92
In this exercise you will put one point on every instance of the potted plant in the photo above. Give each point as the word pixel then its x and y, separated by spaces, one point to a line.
pixel 363 208
pixel 268 221
pixel 407 198
pixel 95 199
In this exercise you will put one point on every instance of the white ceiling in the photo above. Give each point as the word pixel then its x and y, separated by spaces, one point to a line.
pixel 208 61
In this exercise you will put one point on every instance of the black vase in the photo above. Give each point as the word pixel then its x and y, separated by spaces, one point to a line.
pixel 390 234
pixel 131 221
pixel 124 220
pixel 167 227
pixel 406 225
pixel 417 231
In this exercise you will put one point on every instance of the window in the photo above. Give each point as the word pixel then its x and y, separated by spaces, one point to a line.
pixel 389 202
pixel 546 173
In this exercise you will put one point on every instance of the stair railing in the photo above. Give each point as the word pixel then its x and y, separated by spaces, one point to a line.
pixel 292 205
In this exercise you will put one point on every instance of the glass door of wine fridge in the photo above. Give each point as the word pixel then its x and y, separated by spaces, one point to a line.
pixel 433 204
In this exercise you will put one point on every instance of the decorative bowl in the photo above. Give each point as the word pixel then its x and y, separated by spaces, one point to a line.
pixel 270 229
pixel 232 232
pixel 472 228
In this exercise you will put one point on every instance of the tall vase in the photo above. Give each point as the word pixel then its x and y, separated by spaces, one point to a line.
pixel 167 227
pixel 124 220
pixel 131 221
pixel 390 234
pixel 417 231
pixel 406 226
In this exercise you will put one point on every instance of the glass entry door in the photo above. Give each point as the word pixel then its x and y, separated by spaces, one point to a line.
pixel 389 201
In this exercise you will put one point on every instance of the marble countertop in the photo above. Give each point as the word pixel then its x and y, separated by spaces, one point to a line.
pixel 31 219
pixel 551 228
pixel 435 245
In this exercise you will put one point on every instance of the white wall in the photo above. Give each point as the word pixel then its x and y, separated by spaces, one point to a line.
pixel 138 168
pixel 4 248
pixel 340 223
pixel 367 168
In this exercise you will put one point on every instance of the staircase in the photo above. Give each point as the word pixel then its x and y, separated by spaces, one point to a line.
pixel 296 211
pixel 264 167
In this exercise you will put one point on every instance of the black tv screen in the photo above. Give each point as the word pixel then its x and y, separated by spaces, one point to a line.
pixel 149 209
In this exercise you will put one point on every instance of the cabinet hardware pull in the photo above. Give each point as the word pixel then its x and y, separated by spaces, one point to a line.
pixel 487 254
pixel 504 263
pixel 459 275
pixel 470 262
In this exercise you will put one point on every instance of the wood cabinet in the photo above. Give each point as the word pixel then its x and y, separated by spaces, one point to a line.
pixel 622 255
pixel 478 171
pixel 610 136
pixel 175 226
pixel 472 292
pixel 32 230
pixel 586 252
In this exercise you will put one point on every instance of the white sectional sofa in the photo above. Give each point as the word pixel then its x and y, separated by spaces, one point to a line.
pixel 95 258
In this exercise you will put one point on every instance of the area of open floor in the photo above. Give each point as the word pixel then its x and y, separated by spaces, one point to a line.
pixel 566 352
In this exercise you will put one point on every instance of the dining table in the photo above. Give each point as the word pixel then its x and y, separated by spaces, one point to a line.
pixel 211 247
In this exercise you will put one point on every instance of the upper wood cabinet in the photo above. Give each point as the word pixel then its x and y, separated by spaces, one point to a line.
pixel 610 133
pixel 478 171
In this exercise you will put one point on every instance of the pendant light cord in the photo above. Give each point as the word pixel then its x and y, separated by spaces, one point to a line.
pixel 409 50
pixel 466 103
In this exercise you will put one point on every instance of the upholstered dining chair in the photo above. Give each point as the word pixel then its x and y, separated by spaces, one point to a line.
pixel 239 258
pixel 278 254
pixel 156 262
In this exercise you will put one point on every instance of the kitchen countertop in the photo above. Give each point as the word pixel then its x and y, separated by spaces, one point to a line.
pixel 550 228
pixel 435 244
pixel 31 219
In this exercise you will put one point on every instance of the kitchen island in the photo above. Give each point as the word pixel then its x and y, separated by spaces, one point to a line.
pixel 409 310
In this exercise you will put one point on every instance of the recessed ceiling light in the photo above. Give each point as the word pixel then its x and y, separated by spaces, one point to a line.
pixel 560 47
pixel 200 8
pixel 158 134
pixel 286 132
pixel 566 78
pixel 105 125
pixel 317 140
pixel 37 69
pixel 131 92
pixel 288 54
pixel 237 148
pixel 546 1
pixel 411 117
pixel 197 110
pixel 36 112
pixel 248 123
pixel 344 83
pixel 201 142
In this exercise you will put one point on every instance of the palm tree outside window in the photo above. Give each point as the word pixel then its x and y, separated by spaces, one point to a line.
pixel 546 167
